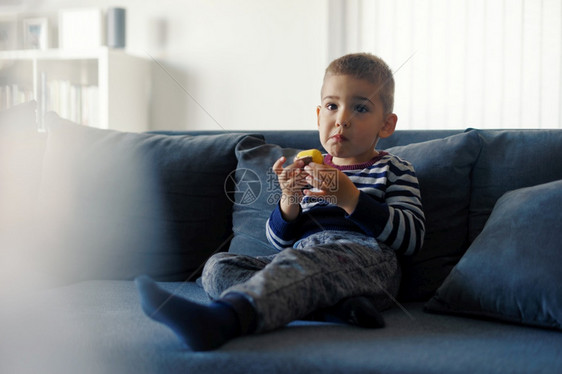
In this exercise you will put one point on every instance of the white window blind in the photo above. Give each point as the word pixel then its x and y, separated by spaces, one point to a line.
pixel 461 63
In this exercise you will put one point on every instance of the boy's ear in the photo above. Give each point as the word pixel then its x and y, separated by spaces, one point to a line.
pixel 389 126
pixel 318 116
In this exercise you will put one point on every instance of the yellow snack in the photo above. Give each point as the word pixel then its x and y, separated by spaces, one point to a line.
pixel 311 155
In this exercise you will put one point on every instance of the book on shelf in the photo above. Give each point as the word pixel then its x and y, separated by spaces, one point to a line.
pixel 75 102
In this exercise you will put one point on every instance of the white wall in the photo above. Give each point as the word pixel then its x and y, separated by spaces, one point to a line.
pixel 224 65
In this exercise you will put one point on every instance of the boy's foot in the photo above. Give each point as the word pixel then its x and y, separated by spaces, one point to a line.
pixel 201 327
pixel 358 311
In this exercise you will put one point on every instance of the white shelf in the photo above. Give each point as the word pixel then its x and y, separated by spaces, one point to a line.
pixel 100 87
pixel 30 54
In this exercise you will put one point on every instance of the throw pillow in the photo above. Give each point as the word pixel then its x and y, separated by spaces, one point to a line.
pixel 116 205
pixel 511 272
pixel 258 193
pixel 443 167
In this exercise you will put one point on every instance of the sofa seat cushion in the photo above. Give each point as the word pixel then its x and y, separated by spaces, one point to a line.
pixel 98 327
pixel 116 205
pixel 512 270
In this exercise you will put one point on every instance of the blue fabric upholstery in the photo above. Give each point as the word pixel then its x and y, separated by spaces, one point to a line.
pixel 512 270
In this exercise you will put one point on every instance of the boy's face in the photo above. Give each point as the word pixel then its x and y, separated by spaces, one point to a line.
pixel 351 119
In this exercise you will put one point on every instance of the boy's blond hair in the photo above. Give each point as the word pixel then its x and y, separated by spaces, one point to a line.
pixel 369 67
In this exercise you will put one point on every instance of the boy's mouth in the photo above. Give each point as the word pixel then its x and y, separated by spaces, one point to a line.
pixel 338 137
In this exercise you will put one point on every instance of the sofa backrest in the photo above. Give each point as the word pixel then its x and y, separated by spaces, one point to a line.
pixel 509 160
pixel 462 174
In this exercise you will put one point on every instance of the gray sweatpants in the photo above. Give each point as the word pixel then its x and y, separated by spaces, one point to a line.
pixel 321 270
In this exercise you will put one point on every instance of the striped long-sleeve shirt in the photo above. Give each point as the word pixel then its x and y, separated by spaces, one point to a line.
pixel 389 208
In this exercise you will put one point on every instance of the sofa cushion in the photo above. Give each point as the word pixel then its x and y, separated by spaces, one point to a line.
pixel 511 159
pixel 116 205
pixel 98 327
pixel 251 211
pixel 443 167
pixel 512 270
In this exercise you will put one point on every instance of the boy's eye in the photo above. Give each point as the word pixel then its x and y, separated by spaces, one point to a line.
pixel 361 108
pixel 331 106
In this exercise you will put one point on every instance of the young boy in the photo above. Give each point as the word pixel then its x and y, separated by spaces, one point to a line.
pixel 338 241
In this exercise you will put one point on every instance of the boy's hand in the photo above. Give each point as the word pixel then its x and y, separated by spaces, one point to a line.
pixel 292 180
pixel 333 184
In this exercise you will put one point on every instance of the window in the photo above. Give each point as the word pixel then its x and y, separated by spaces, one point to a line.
pixel 461 63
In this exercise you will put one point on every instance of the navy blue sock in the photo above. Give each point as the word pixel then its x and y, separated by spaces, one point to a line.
pixel 201 327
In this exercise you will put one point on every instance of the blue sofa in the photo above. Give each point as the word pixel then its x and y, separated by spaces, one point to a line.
pixel 86 210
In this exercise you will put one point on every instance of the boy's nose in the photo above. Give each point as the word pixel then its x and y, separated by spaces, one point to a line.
pixel 343 122
pixel 344 119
